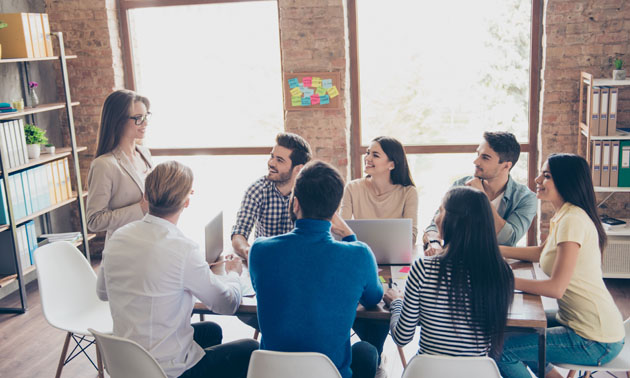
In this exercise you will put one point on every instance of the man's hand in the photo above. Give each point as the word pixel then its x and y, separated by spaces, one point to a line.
pixel 476 183
pixel 240 245
pixel 233 264
pixel 340 227
pixel 391 294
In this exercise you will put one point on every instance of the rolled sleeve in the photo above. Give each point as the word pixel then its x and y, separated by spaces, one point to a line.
pixel 518 221
pixel 249 211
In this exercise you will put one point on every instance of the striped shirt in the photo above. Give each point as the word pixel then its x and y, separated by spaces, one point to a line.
pixel 264 206
pixel 441 332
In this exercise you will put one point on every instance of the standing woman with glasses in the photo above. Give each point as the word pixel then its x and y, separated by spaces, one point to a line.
pixel 116 177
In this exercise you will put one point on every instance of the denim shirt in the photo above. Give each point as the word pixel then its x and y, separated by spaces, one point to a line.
pixel 518 208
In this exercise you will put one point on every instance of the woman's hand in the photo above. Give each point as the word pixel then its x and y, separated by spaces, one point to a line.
pixel 391 294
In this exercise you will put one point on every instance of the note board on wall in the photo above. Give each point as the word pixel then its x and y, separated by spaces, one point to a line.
pixel 311 90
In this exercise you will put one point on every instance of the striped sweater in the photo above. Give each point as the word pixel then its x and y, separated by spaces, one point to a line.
pixel 441 332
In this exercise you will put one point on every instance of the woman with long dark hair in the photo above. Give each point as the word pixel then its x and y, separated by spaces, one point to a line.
pixel 116 177
pixel 460 298
pixel 591 329
pixel 387 191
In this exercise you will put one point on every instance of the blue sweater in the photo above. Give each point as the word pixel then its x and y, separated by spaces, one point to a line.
pixel 308 286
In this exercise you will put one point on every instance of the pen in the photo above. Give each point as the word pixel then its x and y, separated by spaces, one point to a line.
pixel 222 261
pixel 390 283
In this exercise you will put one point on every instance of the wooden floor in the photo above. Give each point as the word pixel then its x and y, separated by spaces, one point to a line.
pixel 29 347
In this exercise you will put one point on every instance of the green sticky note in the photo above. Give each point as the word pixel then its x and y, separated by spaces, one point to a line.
pixel 320 91
pixel 296 101
pixel 382 279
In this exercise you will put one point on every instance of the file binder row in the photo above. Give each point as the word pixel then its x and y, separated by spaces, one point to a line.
pixel 36 189
pixel 26 239
pixel 13 142
pixel 611 163
pixel 26 36
pixel 603 111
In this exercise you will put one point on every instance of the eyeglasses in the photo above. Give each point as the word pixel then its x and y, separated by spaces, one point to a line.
pixel 139 120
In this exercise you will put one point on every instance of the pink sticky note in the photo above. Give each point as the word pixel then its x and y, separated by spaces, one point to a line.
pixel 405 269
pixel 307 81
pixel 314 99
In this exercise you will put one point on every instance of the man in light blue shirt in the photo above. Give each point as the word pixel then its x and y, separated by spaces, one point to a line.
pixel 513 204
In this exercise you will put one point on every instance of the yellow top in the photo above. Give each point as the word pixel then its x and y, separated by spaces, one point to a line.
pixel 586 306
pixel 361 202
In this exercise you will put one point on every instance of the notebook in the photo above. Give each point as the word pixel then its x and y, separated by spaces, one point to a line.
pixel 214 238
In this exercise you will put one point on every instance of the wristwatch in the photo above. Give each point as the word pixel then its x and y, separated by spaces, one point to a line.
pixel 426 245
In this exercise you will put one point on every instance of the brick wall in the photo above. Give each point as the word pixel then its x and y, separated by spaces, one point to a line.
pixel 91 32
pixel 313 38
pixel 580 35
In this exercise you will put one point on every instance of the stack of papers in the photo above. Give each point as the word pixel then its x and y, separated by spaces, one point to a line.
pixel 65 236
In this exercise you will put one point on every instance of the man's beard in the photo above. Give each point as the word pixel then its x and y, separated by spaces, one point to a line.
pixel 282 178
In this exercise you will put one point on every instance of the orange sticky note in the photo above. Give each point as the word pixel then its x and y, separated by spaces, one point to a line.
pixel 405 269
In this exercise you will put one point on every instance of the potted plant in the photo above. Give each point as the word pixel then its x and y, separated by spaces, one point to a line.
pixel 35 137
pixel 48 149
pixel 2 26
pixel 618 73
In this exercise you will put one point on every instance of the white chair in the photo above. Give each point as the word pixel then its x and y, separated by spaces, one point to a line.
pixel 67 286
pixel 268 364
pixel 619 363
pixel 424 365
pixel 125 358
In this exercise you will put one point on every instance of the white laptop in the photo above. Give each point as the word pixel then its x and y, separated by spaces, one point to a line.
pixel 214 238
pixel 389 239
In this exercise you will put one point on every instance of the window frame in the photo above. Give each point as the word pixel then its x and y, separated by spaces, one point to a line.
pixel 531 147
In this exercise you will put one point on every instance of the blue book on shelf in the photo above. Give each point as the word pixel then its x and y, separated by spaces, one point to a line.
pixel 33 188
pixel 31 236
pixel 26 189
pixel 44 192
pixel 4 211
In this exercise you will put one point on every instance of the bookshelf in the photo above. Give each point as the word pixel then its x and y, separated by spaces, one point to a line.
pixel 616 263
pixel 10 283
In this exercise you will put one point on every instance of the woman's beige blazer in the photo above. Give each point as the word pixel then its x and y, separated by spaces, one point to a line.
pixel 115 188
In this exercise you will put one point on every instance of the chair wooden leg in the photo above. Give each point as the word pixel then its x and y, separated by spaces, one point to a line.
pixel 587 375
pixel 64 351
pixel 99 362
pixel 403 360
pixel 256 333
pixel 571 374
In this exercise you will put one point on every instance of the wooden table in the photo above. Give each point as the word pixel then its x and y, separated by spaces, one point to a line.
pixel 530 318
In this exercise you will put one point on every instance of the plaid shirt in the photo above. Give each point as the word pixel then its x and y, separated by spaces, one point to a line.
pixel 266 207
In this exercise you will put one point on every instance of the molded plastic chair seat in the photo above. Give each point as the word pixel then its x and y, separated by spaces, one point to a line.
pixel 424 365
pixel 269 364
pixel 125 358
pixel 67 286
pixel 619 363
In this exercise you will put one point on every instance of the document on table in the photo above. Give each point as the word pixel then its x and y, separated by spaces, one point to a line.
pixel 523 273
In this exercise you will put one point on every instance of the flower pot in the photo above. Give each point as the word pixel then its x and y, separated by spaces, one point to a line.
pixel 33 150
pixel 619 74
pixel 48 149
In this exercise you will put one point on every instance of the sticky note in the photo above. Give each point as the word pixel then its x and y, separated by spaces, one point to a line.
pixel 320 91
pixel 327 83
pixel 382 279
pixel 307 81
pixel 314 99
pixel 308 92
pixel 316 82
pixel 306 101
pixel 301 86
pixel 405 270
pixel 324 100
pixel 293 82
pixel 333 92
pixel 296 101
pixel 296 92
pixel 380 270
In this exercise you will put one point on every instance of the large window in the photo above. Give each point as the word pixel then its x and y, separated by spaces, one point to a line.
pixel 436 75
pixel 211 71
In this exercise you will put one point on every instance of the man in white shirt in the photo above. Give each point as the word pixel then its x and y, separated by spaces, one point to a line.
pixel 150 273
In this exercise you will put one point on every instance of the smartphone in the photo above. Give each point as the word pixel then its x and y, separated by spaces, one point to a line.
pixel 612 221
